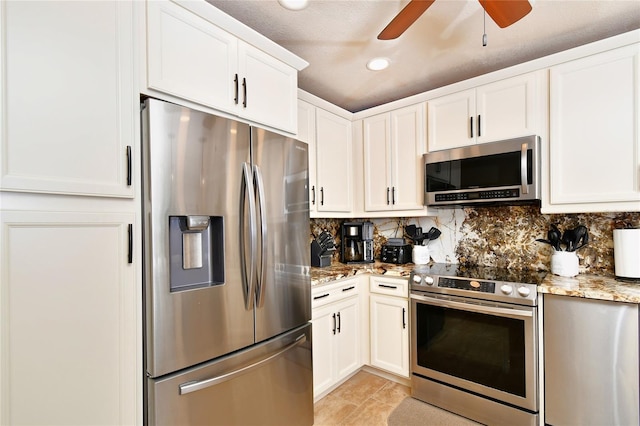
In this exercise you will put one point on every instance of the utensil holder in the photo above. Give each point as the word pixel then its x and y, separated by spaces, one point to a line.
pixel 564 263
pixel 420 255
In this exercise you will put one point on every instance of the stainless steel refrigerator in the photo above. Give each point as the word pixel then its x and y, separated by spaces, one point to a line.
pixel 226 272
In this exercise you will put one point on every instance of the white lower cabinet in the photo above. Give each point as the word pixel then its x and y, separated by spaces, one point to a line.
pixel 69 313
pixel 389 328
pixel 336 334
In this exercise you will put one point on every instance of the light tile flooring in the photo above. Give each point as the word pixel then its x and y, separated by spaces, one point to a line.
pixel 364 399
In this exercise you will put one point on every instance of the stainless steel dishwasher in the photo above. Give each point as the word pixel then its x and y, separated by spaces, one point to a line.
pixel 591 361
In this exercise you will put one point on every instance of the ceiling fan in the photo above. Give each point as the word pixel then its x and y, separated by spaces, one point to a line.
pixel 504 13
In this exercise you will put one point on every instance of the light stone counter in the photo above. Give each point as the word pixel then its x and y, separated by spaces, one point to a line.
pixel 600 287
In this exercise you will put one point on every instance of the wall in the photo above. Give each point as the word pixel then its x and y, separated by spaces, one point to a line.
pixel 503 236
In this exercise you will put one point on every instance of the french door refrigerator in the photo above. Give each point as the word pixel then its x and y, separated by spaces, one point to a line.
pixel 226 272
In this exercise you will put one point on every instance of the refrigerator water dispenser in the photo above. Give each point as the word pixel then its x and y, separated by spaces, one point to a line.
pixel 196 250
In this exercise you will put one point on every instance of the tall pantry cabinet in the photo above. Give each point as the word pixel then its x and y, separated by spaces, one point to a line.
pixel 70 303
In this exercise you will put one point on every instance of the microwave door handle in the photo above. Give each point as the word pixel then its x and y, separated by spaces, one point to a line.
pixel 523 168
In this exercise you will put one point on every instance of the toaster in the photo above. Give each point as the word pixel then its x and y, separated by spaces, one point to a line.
pixel 396 253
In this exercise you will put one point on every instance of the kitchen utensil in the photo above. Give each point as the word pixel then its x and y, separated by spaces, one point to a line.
pixel 581 237
pixel 554 236
pixel 568 239
pixel 432 234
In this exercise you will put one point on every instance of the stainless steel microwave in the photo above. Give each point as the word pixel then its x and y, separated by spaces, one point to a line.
pixel 498 172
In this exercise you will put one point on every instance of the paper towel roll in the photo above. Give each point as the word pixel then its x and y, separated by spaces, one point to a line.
pixel 626 253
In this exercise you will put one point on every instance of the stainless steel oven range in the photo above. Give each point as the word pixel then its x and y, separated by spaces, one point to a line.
pixel 474 342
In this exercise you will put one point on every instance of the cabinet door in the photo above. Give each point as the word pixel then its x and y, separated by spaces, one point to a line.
pixel 324 343
pixel 69 103
pixel 190 58
pixel 269 89
pixel 451 120
pixel 377 163
pixel 334 162
pixel 307 133
pixel 389 334
pixel 508 108
pixel 70 320
pixel 408 145
pixel 348 337
pixel 594 140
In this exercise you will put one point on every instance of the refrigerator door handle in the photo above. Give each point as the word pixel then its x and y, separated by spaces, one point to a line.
pixel 197 385
pixel 249 282
pixel 262 277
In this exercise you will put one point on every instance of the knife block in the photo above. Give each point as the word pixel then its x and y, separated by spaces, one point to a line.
pixel 318 258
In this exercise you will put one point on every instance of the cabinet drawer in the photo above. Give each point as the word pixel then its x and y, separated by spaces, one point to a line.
pixel 333 292
pixel 389 286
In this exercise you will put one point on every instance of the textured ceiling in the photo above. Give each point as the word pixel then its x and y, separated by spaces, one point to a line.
pixel 443 46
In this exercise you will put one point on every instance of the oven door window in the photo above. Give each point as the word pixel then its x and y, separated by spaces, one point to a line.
pixel 481 348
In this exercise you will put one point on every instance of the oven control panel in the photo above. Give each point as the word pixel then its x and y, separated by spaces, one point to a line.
pixel 477 288
pixel 471 285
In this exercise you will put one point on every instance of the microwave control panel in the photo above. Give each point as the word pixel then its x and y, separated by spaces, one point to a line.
pixel 479 195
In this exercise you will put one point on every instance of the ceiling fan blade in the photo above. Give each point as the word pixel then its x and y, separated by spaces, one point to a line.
pixel 505 13
pixel 404 19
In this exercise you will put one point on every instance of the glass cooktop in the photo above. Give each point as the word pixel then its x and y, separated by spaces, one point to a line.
pixel 482 273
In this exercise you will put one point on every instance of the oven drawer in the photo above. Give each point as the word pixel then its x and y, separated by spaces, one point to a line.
pixel 389 286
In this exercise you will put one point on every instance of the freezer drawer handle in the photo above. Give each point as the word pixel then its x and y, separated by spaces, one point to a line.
pixel 197 385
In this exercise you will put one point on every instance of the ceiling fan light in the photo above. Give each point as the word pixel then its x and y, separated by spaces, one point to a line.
pixel 294 4
pixel 378 64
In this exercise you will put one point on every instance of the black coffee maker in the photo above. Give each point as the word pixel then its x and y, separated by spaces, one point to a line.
pixel 357 242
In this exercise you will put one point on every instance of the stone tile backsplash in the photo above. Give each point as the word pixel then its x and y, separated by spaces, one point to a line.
pixel 500 236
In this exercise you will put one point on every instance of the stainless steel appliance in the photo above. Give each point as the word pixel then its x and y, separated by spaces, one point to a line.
pixel 226 272
pixel 357 242
pixel 474 342
pixel 499 172
pixel 592 362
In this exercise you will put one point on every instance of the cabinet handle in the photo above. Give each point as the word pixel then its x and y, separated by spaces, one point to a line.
pixel 129 161
pixel 349 288
pixel 244 92
pixel 479 126
pixel 339 322
pixel 387 195
pixel 313 195
pixel 235 82
pixel 404 323
pixel 471 127
pixel 334 323
pixel 320 297
pixel 393 195
pixel 388 286
pixel 130 245
pixel 322 195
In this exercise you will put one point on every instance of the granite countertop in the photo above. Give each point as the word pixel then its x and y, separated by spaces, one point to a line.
pixel 588 286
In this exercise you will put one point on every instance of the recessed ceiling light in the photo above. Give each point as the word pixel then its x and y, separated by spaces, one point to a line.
pixel 294 4
pixel 377 64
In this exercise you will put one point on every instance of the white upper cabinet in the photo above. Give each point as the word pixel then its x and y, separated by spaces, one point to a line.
pixel 307 133
pixel 505 109
pixel 191 58
pixel 594 142
pixel 393 146
pixel 69 102
pixel 334 190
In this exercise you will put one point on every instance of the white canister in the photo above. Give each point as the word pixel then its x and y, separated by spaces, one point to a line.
pixel 626 253
pixel 420 255
pixel 564 263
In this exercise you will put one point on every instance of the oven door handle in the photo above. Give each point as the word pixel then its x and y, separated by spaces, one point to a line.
pixel 474 307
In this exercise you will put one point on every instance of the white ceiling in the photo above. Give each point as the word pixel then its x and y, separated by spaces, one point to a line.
pixel 338 37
